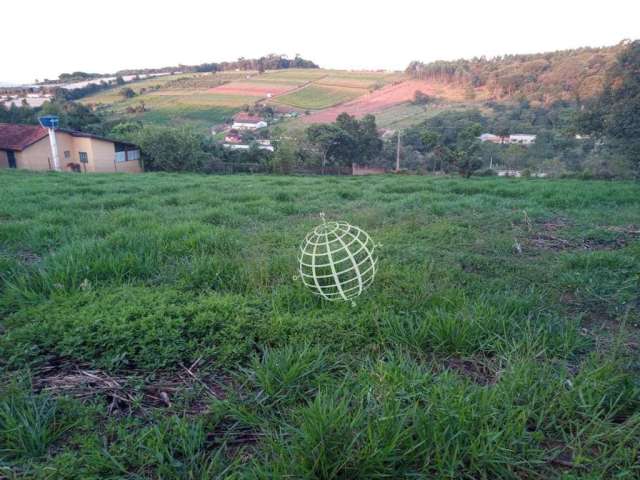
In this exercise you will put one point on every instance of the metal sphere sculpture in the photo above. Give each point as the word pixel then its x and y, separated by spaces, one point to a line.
pixel 337 261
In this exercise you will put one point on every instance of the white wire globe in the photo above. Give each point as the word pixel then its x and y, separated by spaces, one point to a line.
pixel 337 261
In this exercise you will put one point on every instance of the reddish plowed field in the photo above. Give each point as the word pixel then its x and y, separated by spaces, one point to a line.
pixel 251 89
pixel 380 100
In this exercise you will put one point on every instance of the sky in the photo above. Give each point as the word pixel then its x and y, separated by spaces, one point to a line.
pixel 46 38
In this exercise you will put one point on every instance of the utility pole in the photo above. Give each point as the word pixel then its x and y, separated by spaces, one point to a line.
pixel 398 153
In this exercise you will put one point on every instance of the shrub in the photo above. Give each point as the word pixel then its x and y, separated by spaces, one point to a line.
pixel 133 327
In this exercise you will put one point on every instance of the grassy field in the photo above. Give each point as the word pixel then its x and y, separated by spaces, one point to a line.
pixel 316 97
pixel 406 114
pixel 151 328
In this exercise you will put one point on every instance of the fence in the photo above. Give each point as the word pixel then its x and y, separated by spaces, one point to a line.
pixel 228 168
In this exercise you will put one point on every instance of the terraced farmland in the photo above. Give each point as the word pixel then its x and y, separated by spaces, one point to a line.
pixel 385 98
pixel 205 99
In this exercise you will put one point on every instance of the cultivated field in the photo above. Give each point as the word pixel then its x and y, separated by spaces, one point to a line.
pixel 151 328
pixel 204 99
pixel 316 97
pixel 386 97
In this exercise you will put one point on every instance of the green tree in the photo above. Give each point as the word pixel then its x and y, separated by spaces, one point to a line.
pixel 170 149
pixel 334 144
pixel 75 116
pixel 284 158
pixel 125 130
pixel 466 153
pixel 615 115
pixel 367 143
pixel 128 92
pixel 429 140
pixel 514 156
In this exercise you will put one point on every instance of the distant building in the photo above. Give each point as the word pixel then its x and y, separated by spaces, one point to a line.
pixel 490 137
pixel 232 138
pixel 27 147
pixel 516 138
pixel 235 146
pixel 509 173
pixel 518 173
pixel 522 139
pixel 244 121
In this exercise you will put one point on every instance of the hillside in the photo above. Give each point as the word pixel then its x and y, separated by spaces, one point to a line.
pixel 319 95
pixel 568 75
pixel 207 98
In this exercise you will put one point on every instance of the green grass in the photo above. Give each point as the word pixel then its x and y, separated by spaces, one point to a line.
pixel 201 118
pixel 316 97
pixel 198 110
pixel 406 115
pixel 150 327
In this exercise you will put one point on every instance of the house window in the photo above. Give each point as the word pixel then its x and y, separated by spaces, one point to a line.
pixel 67 154
pixel 84 158
pixel 127 155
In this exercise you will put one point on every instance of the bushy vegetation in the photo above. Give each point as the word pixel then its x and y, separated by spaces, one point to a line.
pixel 346 140
pixel 614 117
pixel 150 328
pixel 558 149
pixel 71 114
pixel 568 75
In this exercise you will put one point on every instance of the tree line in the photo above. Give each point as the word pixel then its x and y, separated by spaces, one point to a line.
pixel 271 61
pixel 543 77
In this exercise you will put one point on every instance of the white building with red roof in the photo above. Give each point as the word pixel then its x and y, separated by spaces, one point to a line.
pixel 245 121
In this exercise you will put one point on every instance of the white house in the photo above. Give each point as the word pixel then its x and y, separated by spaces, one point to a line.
pixel 244 121
pixel 522 138
pixel 517 138
pixel 232 146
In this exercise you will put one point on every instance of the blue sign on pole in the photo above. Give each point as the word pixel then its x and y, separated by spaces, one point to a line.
pixel 49 121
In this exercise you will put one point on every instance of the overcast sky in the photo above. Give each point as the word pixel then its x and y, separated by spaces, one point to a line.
pixel 44 38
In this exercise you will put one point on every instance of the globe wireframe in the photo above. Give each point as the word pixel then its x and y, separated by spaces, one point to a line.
pixel 337 261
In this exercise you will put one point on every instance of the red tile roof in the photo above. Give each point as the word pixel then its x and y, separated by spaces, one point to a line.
pixel 19 137
pixel 243 117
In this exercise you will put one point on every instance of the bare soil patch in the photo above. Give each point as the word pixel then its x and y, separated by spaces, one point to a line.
pixel 384 98
pixel 479 370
